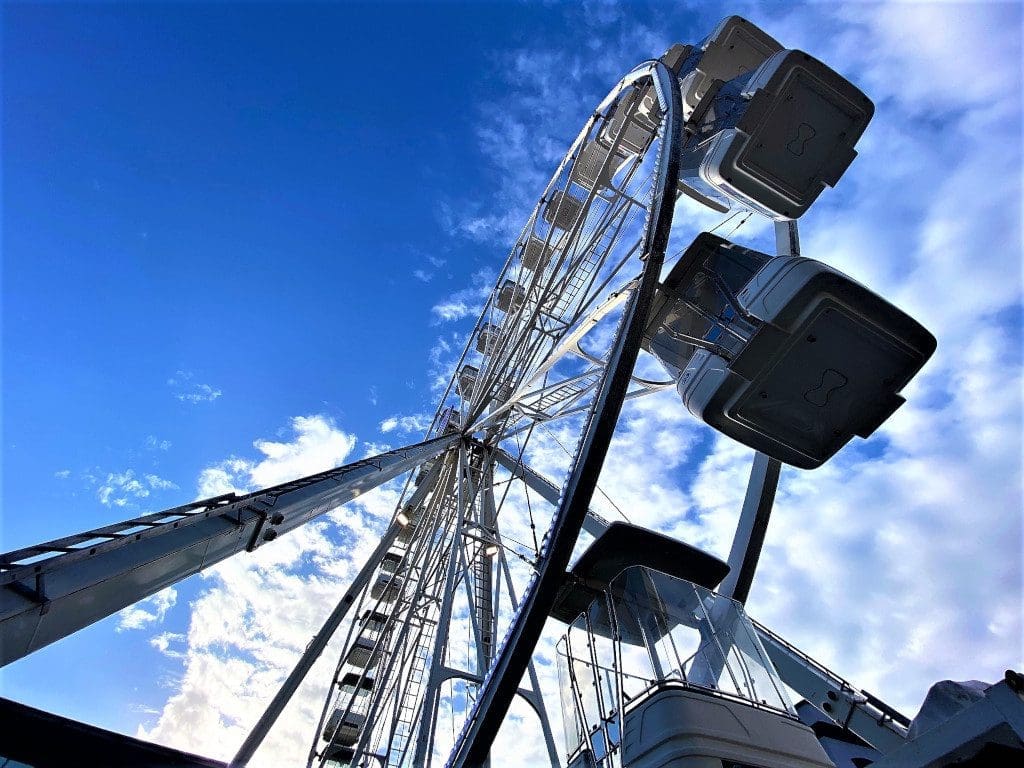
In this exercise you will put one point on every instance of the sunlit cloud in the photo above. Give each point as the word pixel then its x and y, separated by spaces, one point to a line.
pixel 405 425
pixel 124 488
pixel 256 613
pixel 148 611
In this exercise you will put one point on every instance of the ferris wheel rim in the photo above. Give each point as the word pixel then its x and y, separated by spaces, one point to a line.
pixel 505 400
pixel 466 466
pixel 483 721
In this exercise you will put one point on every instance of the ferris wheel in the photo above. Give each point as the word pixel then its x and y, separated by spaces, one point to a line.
pixel 555 343
pixel 440 624
pixel 532 359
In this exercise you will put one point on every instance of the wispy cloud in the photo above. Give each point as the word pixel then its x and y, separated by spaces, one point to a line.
pixel 468 301
pixel 189 391
pixel 422 275
pixel 154 444
pixel 549 90
pixel 158 483
pixel 443 356
pixel 163 643
pixel 451 309
pixel 119 487
pixel 404 425
pixel 62 474
pixel 122 489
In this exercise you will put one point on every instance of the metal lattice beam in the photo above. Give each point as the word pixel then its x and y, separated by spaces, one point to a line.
pixel 54 589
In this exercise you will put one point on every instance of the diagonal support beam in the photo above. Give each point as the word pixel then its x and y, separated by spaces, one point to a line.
pixel 594 524
pixel 752 527
pixel 850 708
pixel 90 576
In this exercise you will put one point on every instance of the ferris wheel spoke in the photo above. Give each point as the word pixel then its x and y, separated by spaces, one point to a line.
pixel 567 344
pixel 532 419
pixel 401 626
pixel 482 724
pixel 558 398
pixel 571 271
pixel 539 314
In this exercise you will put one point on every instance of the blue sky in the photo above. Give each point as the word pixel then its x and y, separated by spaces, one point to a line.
pixel 243 242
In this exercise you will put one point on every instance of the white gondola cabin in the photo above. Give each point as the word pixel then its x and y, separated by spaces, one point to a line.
pixel 774 139
pixel 595 166
pixel 487 338
pixel 785 354
pixel 658 670
pixel 510 297
pixel 466 381
pixel 537 255
pixel 563 209
pixel 735 47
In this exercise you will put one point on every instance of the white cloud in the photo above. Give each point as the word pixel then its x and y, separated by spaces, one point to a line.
pixel 200 393
pixel 163 643
pixel 915 40
pixel 189 391
pixel 468 301
pixel 318 445
pixel 451 309
pixel 443 356
pixel 62 474
pixel 422 275
pixel 257 612
pixel 123 488
pixel 148 611
pixel 416 422
pixel 119 487
pixel 158 483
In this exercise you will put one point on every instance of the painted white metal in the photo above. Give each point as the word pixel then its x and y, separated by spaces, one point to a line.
pixel 863 714
pixel 80 581
pixel 773 140
pixel 686 729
